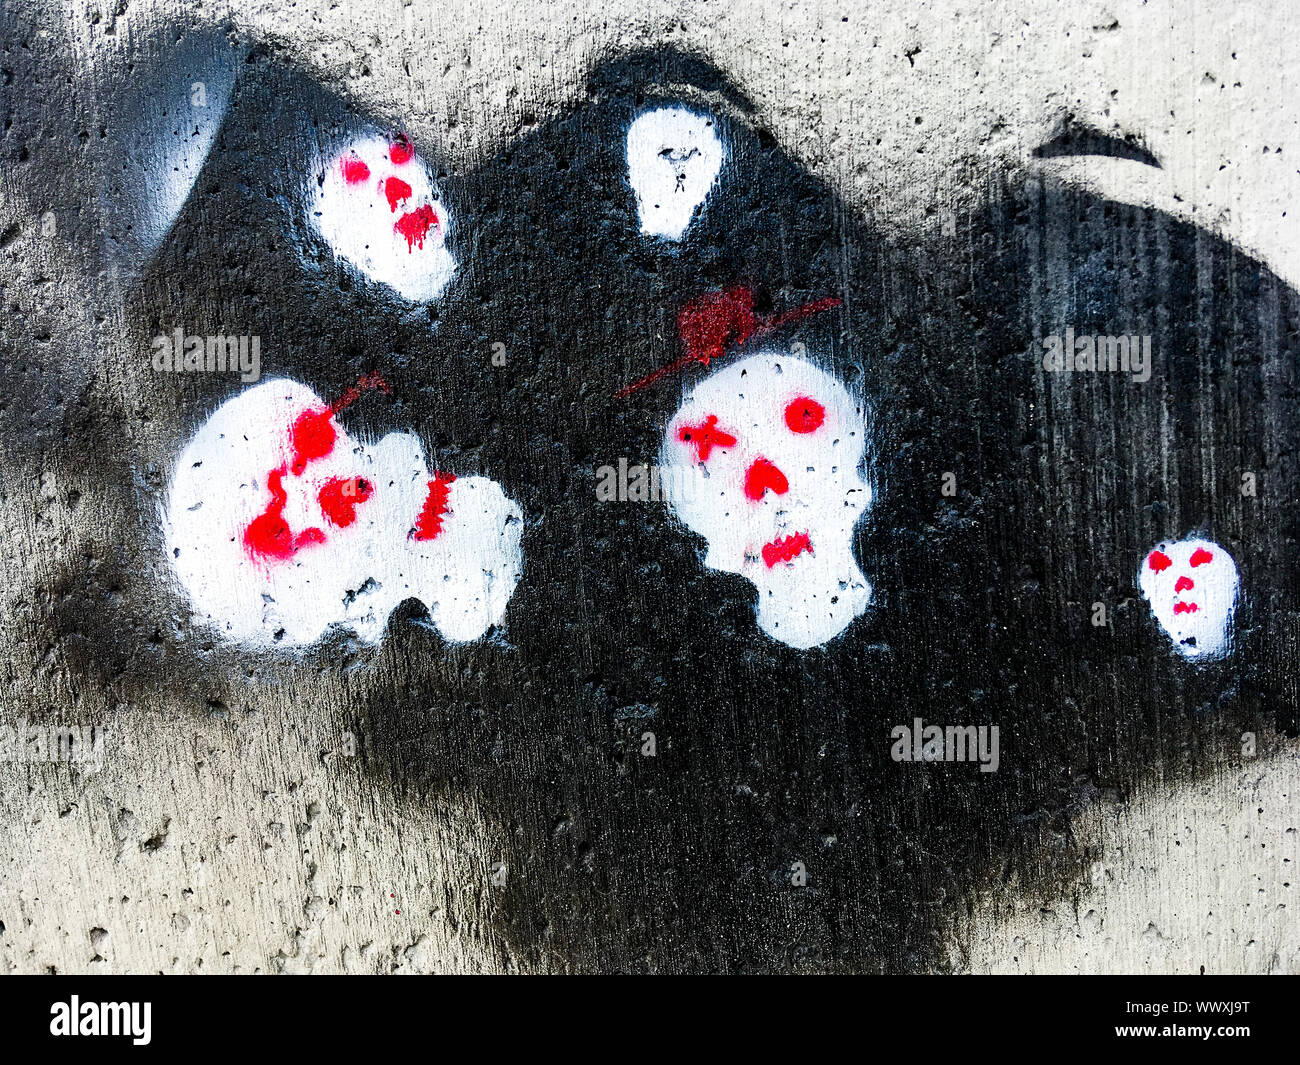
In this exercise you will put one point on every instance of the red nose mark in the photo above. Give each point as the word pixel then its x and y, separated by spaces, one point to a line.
pixel 804 415
pixel 1201 556
pixel 268 535
pixel 705 437
pixel 711 322
pixel 1185 608
pixel 415 225
pixel 1184 584
pixel 354 170
pixel 785 550
pixel 339 498
pixel 1158 561
pixel 396 190
pixel 429 524
pixel 763 475
pixel 401 150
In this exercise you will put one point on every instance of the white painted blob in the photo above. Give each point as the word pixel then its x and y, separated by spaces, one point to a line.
pixel 673 159
pixel 1191 586
pixel 376 207
pixel 762 461
pixel 367 526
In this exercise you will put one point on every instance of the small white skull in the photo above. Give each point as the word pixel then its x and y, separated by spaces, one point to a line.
pixel 1191 586
pixel 280 525
pixel 376 207
pixel 673 158
pixel 762 461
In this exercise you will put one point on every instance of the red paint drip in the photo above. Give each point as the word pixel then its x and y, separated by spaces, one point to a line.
pixel 396 190
pixel 787 549
pixel 269 535
pixel 763 475
pixel 710 323
pixel 339 498
pixel 1201 556
pixel 804 415
pixel 705 437
pixel 1185 608
pixel 415 225
pixel 354 169
pixel 429 524
pixel 1184 584
pixel 401 151
pixel 1158 561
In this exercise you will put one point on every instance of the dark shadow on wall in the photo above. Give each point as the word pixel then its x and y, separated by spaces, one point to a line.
pixel 766 756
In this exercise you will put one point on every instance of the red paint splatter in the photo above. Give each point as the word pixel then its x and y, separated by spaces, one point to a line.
pixel 339 498
pixel 311 436
pixel 705 437
pixel 401 151
pixel 1185 608
pixel 396 190
pixel 787 549
pixel 415 225
pixel 1201 556
pixel 1158 561
pixel 429 524
pixel 1184 584
pixel 269 534
pixel 763 475
pixel 392 895
pixel 354 169
pixel 804 415
pixel 364 383
pixel 711 322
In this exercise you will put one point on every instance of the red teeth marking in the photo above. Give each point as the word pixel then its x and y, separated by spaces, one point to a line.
pixel 787 549
pixel 415 225
pixel 705 437
pixel 1185 608
pixel 429 524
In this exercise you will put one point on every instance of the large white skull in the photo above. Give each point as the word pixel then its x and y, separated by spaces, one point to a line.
pixel 376 206
pixel 1192 588
pixel 280 525
pixel 673 159
pixel 762 461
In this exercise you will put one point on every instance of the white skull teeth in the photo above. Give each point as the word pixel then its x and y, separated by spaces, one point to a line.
pixel 761 460
pixel 376 207
pixel 280 525
pixel 1191 586
pixel 674 156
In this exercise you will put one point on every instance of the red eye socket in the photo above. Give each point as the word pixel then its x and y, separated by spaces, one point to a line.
pixel 1158 561
pixel 804 415
pixel 1201 556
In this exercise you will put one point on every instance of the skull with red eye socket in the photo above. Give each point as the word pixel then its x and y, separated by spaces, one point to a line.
pixel 281 525
pixel 762 460
pixel 1191 586
pixel 375 204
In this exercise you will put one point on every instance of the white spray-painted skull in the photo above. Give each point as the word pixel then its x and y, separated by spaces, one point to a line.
pixel 1191 586
pixel 762 461
pixel 376 207
pixel 280 525
pixel 674 156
